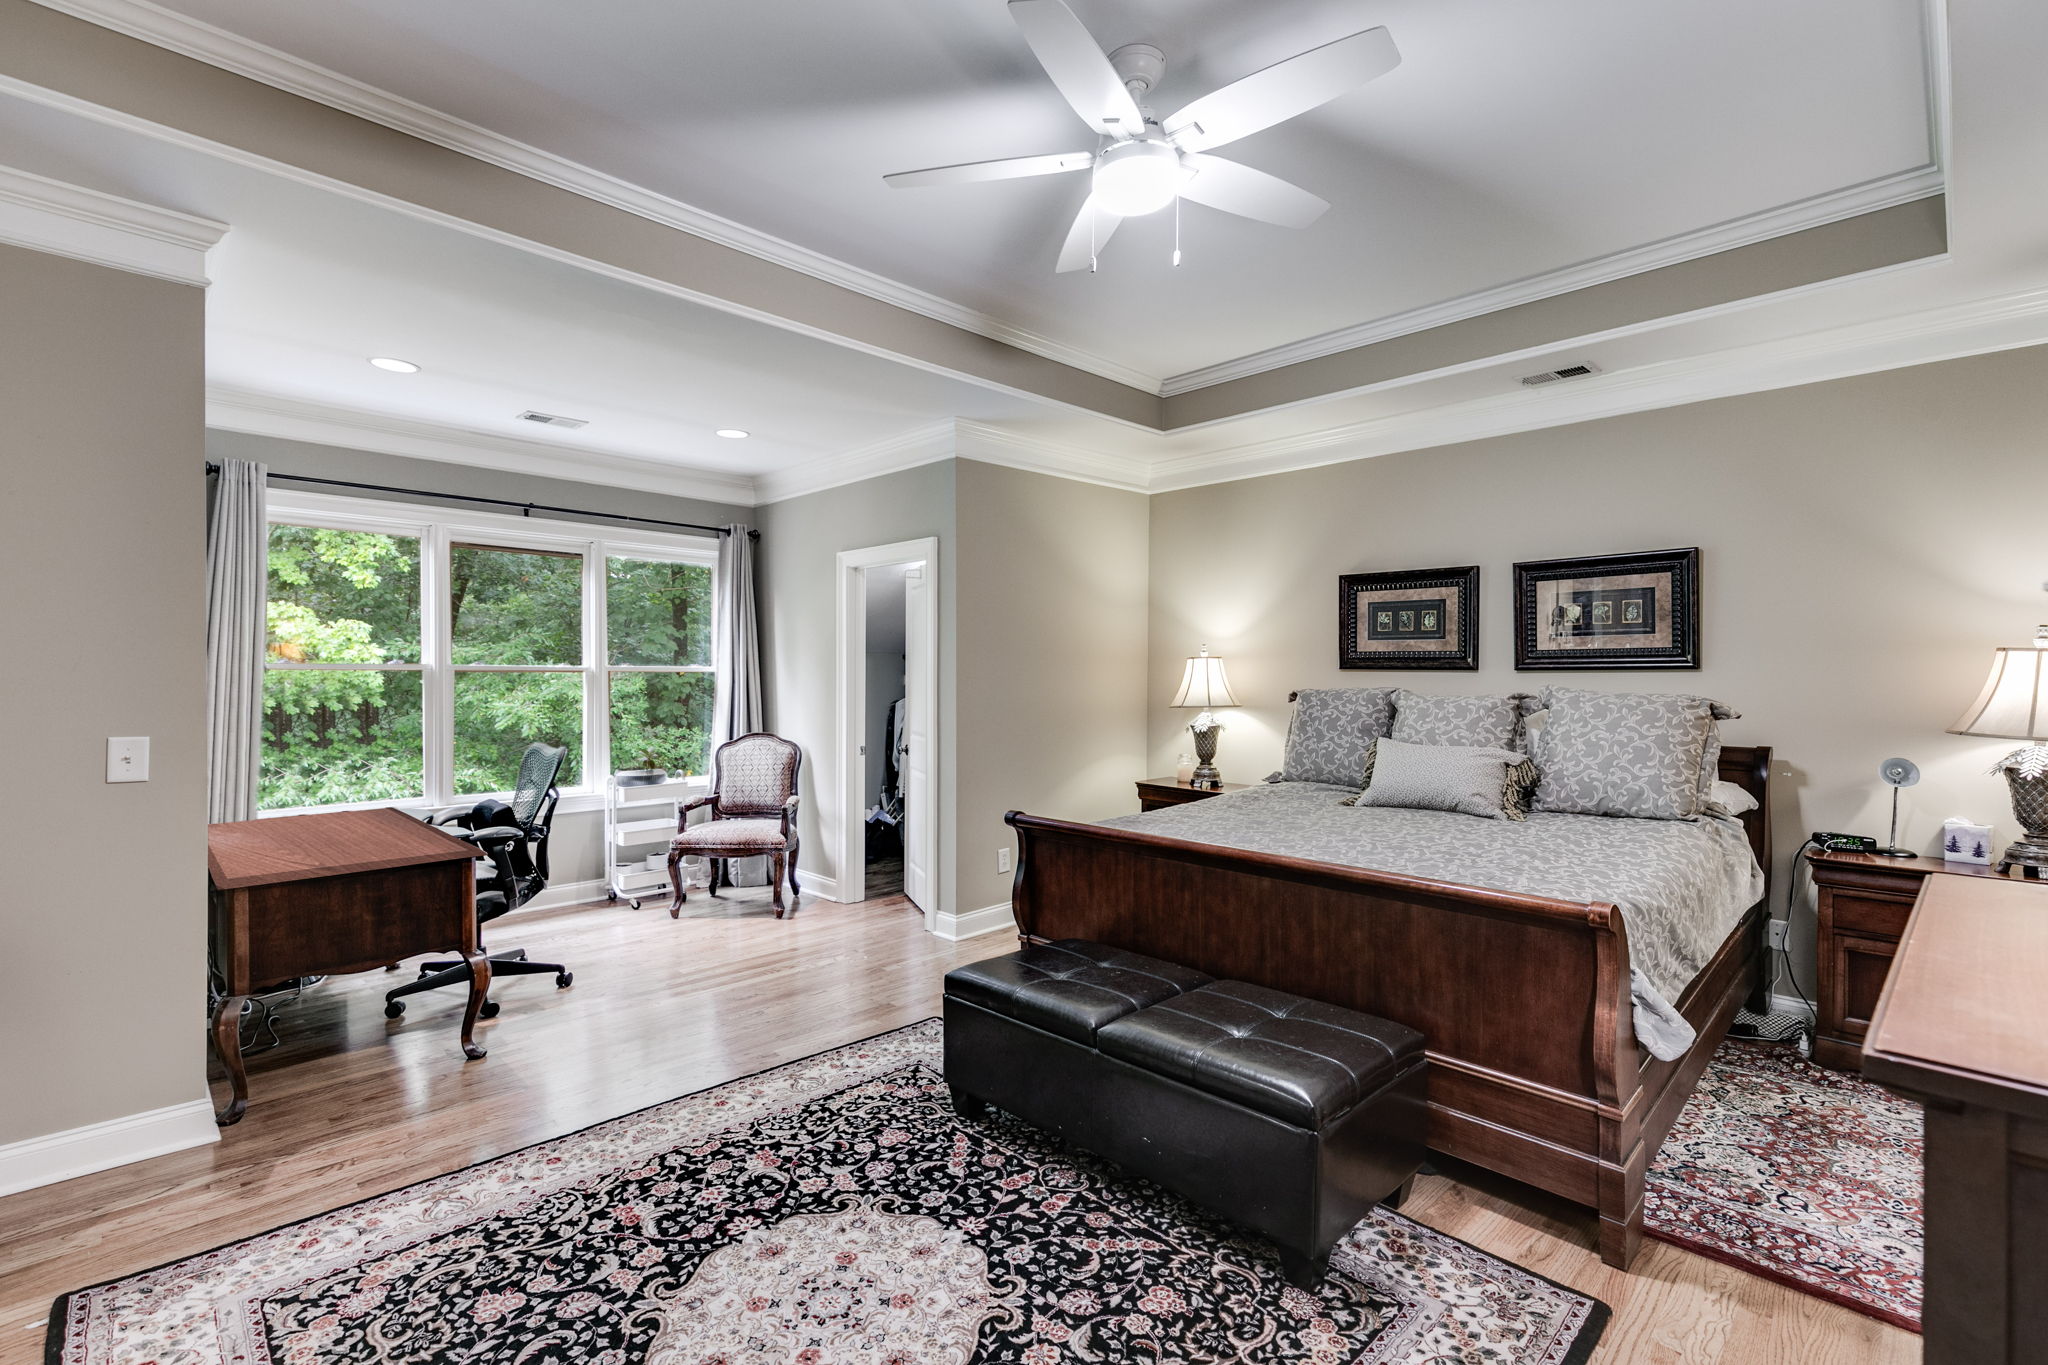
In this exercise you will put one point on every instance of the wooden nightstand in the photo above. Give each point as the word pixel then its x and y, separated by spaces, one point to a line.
pixel 1154 792
pixel 1863 904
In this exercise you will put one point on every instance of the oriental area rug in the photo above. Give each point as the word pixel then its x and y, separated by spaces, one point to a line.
pixel 1806 1176
pixel 834 1211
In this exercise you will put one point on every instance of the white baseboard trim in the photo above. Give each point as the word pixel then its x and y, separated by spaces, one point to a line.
pixel 989 919
pixel 818 884
pixel 575 893
pixel 98 1146
pixel 1792 1005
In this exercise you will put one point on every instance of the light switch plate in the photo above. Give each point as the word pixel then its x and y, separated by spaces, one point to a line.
pixel 128 758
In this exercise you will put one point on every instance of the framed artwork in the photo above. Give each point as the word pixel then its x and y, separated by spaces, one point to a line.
pixel 1610 611
pixel 1415 618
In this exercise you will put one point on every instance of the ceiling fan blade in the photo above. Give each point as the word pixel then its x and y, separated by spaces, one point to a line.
pixel 1092 226
pixel 1010 168
pixel 1283 90
pixel 1074 60
pixel 1237 188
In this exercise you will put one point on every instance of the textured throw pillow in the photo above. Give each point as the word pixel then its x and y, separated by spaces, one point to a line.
pixel 1490 783
pixel 1725 798
pixel 1463 722
pixel 1622 753
pixel 1330 732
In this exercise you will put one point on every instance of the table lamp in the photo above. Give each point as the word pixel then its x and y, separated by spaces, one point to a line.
pixel 1203 685
pixel 2014 705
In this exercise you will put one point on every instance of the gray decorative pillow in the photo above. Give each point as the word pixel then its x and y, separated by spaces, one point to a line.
pixel 1622 753
pixel 1331 729
pixel 1463 722
pixel 1490 783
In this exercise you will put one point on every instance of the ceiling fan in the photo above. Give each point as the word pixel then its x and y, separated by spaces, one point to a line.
pixel 1145 164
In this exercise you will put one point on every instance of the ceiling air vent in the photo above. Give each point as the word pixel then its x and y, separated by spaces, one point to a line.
pixel 549 419
pixel 1567 372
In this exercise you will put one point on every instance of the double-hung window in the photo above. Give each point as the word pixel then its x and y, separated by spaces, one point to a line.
pixel 414 653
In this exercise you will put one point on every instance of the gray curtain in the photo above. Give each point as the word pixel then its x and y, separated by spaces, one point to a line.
pixel 736 709
pixel 237 567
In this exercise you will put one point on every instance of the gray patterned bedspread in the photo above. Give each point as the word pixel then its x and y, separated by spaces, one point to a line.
pixel 1681 884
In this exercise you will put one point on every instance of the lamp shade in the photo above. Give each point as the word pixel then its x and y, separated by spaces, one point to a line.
pixel 2014 702
pixel 1203 684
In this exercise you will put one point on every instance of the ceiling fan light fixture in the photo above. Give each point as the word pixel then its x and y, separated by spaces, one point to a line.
pixel 1136 178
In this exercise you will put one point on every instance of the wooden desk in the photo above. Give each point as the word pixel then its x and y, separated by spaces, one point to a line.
pixel 1963 1025
pixel 319 895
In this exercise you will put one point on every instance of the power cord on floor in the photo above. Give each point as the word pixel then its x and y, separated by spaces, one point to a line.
pixel 1776 1026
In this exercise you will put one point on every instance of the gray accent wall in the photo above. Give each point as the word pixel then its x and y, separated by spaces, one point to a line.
pixel 102 551
pixel 1052 583
pixel 1864 544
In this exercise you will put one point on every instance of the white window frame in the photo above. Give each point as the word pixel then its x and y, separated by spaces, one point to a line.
pixel 437 530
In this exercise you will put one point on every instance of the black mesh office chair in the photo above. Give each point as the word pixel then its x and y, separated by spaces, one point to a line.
pixel 515 840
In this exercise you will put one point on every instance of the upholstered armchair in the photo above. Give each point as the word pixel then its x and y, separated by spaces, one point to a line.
pixel 753 805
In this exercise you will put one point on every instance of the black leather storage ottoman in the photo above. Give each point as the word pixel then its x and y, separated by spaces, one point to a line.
pixel 1285 1115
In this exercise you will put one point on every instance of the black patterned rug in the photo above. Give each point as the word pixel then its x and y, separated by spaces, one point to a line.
pixel 833 1211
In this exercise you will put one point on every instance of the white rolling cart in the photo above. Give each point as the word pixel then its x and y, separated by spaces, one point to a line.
pixel 639 820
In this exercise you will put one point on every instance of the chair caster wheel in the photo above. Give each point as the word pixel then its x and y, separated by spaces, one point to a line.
pixel 562 981
pixel 489 1010
pixel 393 1008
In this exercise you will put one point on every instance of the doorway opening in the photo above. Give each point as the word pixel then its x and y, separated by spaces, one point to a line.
pixel 888 692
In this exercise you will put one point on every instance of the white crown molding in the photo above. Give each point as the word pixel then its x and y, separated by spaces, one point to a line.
pixel 927 445
pixel 217 47
pixel 2002 322
pixel 294 419
pixel 1884 193
pixel 993 445
pixel 100 1146
pixel 70 220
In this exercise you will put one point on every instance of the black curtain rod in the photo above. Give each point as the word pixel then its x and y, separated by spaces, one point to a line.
pixel 525 508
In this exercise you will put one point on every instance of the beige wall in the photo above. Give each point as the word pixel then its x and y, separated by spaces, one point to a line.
pixel 102 553
pixel 1864 543
pixel 797 588
pixel 577 855
pixel 1052 592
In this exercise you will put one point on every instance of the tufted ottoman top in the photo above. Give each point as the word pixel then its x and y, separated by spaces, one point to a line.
pixel 1071 988
pixel 1299 1060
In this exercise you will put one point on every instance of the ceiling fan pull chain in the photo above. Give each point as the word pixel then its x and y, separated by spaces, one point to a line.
pixel 1176 232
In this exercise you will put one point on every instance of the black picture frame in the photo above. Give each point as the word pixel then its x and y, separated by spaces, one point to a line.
pixel 1605 612
pixel 1431 619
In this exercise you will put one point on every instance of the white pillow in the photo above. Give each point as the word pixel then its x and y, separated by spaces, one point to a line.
pixel 1489 783
pixel 1730 799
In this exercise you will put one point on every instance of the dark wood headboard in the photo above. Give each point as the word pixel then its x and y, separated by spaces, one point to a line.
pixel 1749 767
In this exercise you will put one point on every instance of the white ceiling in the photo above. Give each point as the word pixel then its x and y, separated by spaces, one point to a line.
pixel 1515 139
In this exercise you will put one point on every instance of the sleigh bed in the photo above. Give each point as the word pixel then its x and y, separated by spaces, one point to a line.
pixel 1536 1070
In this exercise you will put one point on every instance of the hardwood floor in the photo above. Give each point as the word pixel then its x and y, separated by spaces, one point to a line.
pixel 351 1106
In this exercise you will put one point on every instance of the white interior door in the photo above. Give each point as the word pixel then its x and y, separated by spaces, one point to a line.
pixel 918 707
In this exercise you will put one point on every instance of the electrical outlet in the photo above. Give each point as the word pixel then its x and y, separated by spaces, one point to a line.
pixel 1778 935
pixel 1002 861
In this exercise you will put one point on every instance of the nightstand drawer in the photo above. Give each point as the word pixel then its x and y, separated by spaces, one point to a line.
pixel 1869 914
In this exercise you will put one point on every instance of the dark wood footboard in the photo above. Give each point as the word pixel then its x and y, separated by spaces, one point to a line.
pixel 1535 1068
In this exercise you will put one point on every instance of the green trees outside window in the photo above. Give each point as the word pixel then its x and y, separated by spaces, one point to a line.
pixel 347 696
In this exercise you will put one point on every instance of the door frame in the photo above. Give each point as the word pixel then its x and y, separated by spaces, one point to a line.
pixel 850 836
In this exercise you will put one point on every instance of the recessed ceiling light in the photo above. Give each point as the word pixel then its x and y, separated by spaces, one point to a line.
pixel 393 364
pixel 731 433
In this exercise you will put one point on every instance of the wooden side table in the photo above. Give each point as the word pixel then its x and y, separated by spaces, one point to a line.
pixel 1863 902
pixel 1154 792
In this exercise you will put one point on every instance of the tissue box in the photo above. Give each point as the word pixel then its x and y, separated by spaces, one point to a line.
pixel 1965 841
